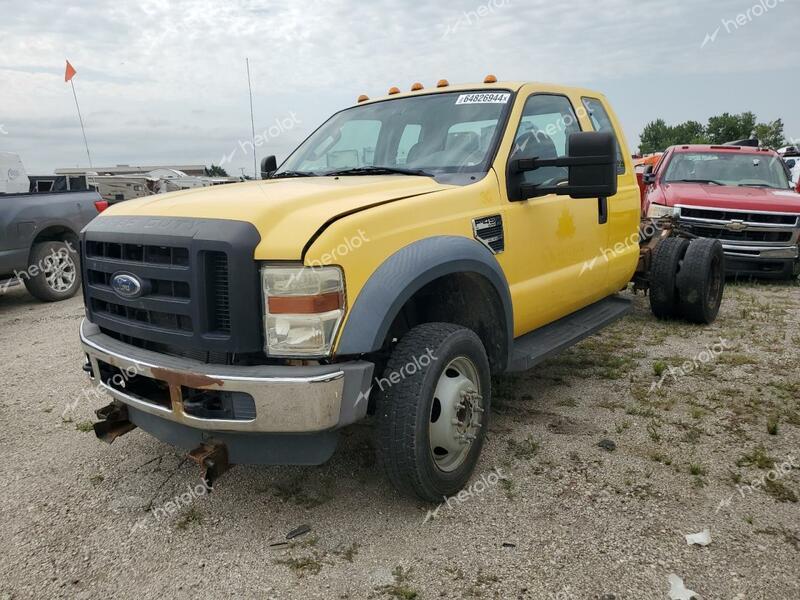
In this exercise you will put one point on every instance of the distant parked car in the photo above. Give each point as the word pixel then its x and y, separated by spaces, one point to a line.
pixel 793 164
pixel 739 195
pixel 39 232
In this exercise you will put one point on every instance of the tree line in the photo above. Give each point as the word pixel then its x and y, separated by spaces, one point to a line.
pixel 657 136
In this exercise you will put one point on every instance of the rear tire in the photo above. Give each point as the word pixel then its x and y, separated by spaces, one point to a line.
pixel 57 268
pixel 664 294
pixel 432 419
pixel 701 281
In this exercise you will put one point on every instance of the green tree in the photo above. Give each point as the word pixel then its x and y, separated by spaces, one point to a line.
pixel 216 171
pixel 771 134
pixel 656 137
pixel 690 132
pixel 729 128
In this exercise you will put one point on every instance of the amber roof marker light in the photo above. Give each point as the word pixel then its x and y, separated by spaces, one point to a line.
pixel 417 87
pixel 442 83
pixel 490 79
pixel 394 90
pixel 363 98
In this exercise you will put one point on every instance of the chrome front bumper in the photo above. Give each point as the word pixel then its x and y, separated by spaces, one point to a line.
pixel 762 252
pixel 301 399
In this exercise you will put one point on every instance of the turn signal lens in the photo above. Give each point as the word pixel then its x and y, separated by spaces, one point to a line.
pixel 101 205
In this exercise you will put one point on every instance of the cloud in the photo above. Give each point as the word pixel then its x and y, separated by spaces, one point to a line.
pixel 165 80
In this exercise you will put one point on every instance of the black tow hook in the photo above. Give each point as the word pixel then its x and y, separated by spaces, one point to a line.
pixel 113 422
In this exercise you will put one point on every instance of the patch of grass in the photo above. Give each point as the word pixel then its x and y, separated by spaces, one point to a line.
pixel 697 469
pixel 659 367
pixel 567 402
pixel 294 493
pixel 736 359
pixel 523 450
pixel 779 491
pixel 400 589
pixel 697 413
pixel 190 516
pixel 509 488
pixel 84 426
pixel 348 553
pixel 659 457
pixel 758 457
pixel 623 426
pixel 772 425
pixel 301 565
pixel 611 405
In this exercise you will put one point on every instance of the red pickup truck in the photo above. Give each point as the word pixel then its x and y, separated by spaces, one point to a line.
pixel 742 196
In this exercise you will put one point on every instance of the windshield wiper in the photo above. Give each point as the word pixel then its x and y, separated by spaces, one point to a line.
pixel 293 174
pixel 764 185
pixel 711 181
pixel 381 171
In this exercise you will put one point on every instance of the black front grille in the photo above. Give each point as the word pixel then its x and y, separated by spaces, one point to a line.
pixel 748 235
pixel 154 318
pixel 727 215
pixel 196 291
pixel 216 264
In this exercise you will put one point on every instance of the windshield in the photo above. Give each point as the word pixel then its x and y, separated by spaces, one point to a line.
pixel 438 133
pixel 727 168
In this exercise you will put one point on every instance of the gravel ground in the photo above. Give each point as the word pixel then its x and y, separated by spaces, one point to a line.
pixel 570 519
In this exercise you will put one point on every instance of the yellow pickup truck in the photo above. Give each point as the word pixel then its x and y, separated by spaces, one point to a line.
pixel 410 248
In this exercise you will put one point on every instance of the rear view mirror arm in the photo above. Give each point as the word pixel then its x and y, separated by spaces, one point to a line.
pixel 522 165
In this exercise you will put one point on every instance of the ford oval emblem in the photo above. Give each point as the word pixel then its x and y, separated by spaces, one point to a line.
pixel 126 285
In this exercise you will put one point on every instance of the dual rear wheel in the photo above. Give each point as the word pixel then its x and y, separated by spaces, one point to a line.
pixel 687 279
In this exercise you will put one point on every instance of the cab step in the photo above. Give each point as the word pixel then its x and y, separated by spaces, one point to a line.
pixel 537 346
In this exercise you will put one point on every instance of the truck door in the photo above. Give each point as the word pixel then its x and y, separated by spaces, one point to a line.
pixel 624 208
pixel 554 258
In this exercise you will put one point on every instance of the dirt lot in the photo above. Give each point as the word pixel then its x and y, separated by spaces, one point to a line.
pixel 570 519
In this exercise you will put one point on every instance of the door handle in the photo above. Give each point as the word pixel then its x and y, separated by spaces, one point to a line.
pixel 602 210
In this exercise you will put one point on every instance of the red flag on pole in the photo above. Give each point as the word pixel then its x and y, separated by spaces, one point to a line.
pixel 69 73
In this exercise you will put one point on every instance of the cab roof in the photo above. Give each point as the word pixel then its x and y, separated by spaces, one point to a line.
pixel 514 86
pixel 721 148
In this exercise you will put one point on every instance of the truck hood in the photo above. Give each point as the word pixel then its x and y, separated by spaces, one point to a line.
pixel 286 212
pixel 741 198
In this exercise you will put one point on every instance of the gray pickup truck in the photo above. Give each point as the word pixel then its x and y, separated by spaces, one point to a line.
pixel 39 241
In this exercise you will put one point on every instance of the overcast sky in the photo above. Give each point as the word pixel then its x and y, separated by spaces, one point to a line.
pixel 165 82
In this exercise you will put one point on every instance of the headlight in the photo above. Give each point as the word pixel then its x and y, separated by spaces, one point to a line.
pixel 303 308
pixel 656 211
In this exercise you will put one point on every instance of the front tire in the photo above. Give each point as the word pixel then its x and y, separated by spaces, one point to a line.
pixel 432 414
pixel 58 274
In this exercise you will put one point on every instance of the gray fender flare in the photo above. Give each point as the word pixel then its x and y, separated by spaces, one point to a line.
pixel 404 273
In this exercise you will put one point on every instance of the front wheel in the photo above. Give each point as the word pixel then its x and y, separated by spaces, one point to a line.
pixel 433 410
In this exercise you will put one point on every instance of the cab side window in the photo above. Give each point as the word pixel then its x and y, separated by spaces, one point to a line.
pixel 544 129
pixel 602 123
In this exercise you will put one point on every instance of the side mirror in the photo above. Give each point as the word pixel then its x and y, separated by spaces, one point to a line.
pixel 592 164
pixel 268 166
pixel 649 177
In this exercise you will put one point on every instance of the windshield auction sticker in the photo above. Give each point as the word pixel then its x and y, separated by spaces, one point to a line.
pixel 483 98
